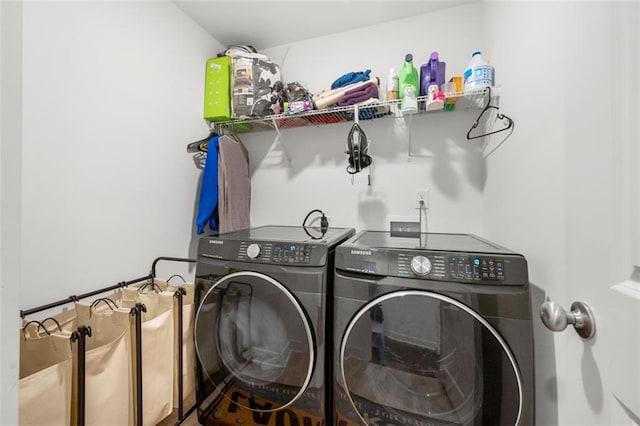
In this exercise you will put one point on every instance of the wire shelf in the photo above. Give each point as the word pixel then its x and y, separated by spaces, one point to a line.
pixel 333 115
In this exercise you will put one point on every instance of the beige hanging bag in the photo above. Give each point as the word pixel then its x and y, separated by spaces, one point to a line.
pixel 45 377
pixel 188 349
pixel 158 349
pixel 108 370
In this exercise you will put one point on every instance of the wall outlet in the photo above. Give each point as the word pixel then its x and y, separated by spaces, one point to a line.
pixel 422 195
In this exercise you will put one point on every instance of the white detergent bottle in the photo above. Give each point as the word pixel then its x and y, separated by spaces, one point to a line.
pixel 392 85
pixel 478 74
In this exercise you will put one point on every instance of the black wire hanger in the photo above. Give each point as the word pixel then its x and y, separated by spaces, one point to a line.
pixel 508 122
pixel 201 145
pixel 110 303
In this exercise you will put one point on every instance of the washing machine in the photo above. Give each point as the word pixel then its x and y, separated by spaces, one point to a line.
pixel 431 329
pixel 262 333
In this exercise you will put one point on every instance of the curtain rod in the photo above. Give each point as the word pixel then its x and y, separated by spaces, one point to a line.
pixel 70 299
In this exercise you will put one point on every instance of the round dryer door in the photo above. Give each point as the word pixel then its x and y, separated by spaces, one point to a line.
pixel 416 357
pixel 254 341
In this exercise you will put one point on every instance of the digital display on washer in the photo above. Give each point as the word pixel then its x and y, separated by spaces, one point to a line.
pixel 476 268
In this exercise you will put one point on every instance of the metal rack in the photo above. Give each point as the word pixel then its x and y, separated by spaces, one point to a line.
pixel 381 109
pixel 83 332
pixel 485 99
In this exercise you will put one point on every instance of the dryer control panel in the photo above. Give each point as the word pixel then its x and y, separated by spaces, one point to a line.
pixel 289 253
pixel 271 252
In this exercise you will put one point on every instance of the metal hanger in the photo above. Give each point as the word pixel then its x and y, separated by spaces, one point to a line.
pixel 201 145
pixel 151 284
pixel 507 121
pixel 200 148
pixel 41 324
pixel 178 276
pixel 110 303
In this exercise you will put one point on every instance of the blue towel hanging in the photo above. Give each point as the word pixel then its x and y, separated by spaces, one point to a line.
pixel 208 202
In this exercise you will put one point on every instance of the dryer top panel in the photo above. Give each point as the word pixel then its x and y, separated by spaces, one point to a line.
pixel 291 234
pixel 467 243
pixel 276 245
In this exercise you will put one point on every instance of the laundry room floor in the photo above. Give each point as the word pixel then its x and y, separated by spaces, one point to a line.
pixel 171 420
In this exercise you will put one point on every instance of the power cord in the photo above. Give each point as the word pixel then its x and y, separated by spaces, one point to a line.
pixel 422 207
pixel 324 224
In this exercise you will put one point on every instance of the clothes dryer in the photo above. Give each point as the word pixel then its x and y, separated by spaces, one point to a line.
pixel 432 330
pixel 262 332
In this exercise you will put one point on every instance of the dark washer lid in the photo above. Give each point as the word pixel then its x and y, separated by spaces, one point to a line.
pixel 432 241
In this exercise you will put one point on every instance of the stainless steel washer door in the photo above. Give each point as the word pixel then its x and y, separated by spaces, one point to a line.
pixel 252 334
pixel 417 357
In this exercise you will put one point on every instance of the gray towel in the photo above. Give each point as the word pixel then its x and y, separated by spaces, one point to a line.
pixel 234 185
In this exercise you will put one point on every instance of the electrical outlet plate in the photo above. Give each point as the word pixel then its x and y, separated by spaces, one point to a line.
pixel 404 229
pixel 422 195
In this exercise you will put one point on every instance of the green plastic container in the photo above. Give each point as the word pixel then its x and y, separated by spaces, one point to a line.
pixel 408 76
pixel 217 89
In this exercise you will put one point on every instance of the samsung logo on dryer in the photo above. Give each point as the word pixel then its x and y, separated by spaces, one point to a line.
pixel 216 242
pixel 361 252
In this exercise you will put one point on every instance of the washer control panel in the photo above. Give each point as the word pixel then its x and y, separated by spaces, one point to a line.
pixel 417 264
pixel 421 265
pixel 447 266
pixel 476 268
pixel 501 267
pixel 438 266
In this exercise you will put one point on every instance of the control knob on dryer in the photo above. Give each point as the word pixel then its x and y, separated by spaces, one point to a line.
pixel 253 251
pixel 421 265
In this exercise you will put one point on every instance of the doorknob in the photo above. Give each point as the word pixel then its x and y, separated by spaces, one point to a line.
pixel 555 318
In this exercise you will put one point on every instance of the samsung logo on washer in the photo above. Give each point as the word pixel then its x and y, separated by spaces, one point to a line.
pixel 216 242
pixel 361 252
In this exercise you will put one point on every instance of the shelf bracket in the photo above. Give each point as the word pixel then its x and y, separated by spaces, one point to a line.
pixel 279 140
pixel 409 139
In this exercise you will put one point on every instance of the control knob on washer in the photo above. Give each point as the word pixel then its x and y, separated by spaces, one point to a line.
pixel 253 251
pixel 421 265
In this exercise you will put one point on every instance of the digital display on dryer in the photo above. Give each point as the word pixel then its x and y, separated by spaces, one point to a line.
pixel 291 253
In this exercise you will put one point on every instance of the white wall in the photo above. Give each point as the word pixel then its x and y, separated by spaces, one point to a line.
pixel 553 190
pixel 112 95
pixel 446 164
pixel 524 205
pixel 10 166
